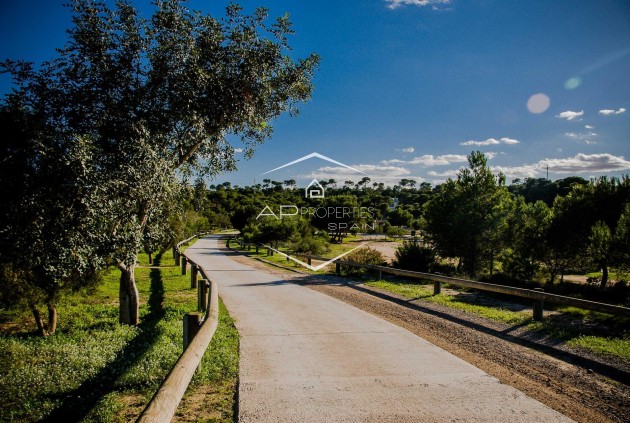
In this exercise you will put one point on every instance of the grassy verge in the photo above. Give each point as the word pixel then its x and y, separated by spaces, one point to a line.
pixel 593 331
pixel 94 369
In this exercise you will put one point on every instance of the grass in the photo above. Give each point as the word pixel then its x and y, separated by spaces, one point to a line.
pixel 596 332
pixel 94 369
pixel 425 292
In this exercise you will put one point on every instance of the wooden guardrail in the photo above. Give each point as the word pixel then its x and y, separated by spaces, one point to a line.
pixel 537 295
pixel 198 333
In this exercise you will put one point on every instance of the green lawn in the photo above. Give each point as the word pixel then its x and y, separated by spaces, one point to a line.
pixel 597 332
pixel 94 369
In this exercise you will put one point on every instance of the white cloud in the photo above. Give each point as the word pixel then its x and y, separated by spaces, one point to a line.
pixel 389 175
pixel 580 163
pixel 430 160
pixel 586 138
pixel 491 141
pixel 569 115
pixel 523 171
pixel 406 150
pixel 607 112
pixel 238 150
pixel 395 4
pixel 589 126
pixel 446 174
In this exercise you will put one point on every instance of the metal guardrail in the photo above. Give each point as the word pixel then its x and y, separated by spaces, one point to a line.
pixel 538 295
pixel 198 333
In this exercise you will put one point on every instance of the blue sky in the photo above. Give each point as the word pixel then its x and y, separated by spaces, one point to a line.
pixel 408 88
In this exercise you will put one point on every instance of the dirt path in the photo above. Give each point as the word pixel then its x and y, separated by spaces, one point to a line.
pixel 497 349
pixel 306 356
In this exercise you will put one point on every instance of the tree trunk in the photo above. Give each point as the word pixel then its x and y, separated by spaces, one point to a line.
pixel 52 318
pixel 128 295
pixel 150 258
pixel 51 327
pixel 604 276
pixel 38 320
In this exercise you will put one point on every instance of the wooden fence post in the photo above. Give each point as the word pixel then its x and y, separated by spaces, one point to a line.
pixel 437 287
pixel 256 248
pixel 176 257
pixel 191 327
pixel 538 307
pixel 194 270
pixel 184 263
pixel 202 295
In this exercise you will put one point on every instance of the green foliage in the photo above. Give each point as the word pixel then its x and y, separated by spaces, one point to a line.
pixel 467 219
pixel 139 103
pixel 414 256
pixel 365 255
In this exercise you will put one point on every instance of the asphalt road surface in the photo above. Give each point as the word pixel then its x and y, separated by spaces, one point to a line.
pixel 308 357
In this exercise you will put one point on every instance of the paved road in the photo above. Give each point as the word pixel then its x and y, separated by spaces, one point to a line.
pixel 307 357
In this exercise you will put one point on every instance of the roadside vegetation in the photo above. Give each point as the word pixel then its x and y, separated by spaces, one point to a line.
pixel 95 369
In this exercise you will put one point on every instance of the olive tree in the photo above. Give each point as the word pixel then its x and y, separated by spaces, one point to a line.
pixel 158 98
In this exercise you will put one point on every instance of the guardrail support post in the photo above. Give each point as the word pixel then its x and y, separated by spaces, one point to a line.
pixel 176 256
pixel 191 327
pixel 338 268
pixel 256 248
pixel 194 270
pixel 309 261
pixel 538 307
pixel 228 242
pixel 380 274
pixel 437 287
pixel 202 295
pixel 184 263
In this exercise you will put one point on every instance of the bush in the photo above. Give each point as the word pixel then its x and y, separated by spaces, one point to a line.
pixel 366 255
pixel 413 256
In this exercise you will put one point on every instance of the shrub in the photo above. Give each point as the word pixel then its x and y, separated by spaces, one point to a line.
pixel 364 256
pixel 413 256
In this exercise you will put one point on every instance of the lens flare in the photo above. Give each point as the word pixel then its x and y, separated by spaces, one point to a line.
pixel 538 103
pixel 573 83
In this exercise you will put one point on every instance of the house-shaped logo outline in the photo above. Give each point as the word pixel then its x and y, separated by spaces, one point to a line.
pixel 314 190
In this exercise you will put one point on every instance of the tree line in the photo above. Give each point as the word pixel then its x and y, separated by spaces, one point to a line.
pixel 527 230
pixel 97 142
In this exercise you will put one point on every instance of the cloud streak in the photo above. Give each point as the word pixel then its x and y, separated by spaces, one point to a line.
pixel 608 112
pixel 430 160
pixel 395 4
pixel 406 150
pixel 491 141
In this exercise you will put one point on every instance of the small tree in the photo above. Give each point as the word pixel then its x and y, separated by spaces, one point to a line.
pixel 414 256
pixel 600 249
pixel 48 242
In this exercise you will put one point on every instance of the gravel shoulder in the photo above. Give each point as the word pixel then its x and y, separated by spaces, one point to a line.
pixel 570 382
